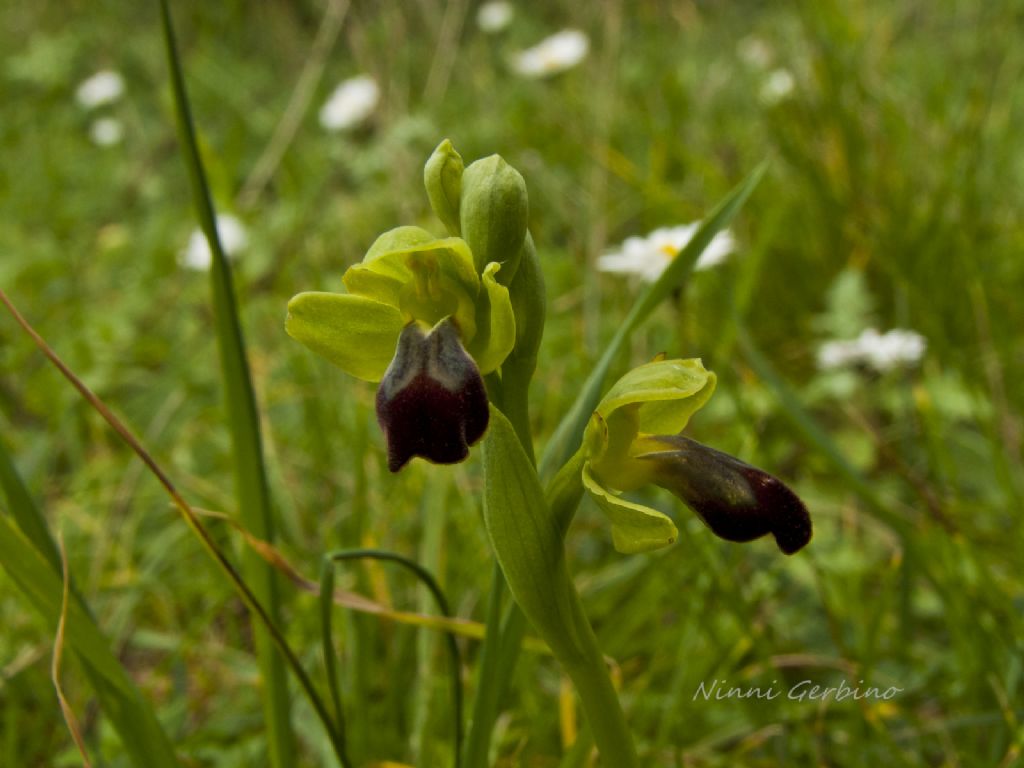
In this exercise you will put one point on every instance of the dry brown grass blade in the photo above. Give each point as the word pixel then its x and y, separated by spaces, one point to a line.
pixel 353 600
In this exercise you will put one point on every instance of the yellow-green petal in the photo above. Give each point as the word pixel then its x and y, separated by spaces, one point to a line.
pixel 495 323
pixel 635 528
pixel 667 393
pixel 427 278
pixel 363 281
pixel 355 333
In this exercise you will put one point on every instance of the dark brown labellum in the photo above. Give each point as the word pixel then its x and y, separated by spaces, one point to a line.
pixel 431 402
pixel 738 502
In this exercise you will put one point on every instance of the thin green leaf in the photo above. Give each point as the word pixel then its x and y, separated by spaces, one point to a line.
pixel 251 489
pixel 26 514
pixel 421 573
pixel 567 434
pixel 130 713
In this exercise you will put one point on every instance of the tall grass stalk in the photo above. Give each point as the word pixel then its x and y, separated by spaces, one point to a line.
pixel 251 487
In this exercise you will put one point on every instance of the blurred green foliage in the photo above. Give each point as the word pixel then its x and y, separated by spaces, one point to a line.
pixel 893 200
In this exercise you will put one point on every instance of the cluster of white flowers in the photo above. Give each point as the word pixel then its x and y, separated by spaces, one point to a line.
pixel 350 104
pixel 552 55
pixel 881 351
pixel 647 257
pixel 233 238
pixel 494 16
pixel 103 88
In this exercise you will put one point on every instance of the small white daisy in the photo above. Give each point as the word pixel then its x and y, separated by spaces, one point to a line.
pixel 779 86
pixel 106 132
pixel 104 87
pixel 754 52
pixel 552 55
pixel 647 257
pixel 881 351
pixel 494 16
pixel 350 103
pixel 233 238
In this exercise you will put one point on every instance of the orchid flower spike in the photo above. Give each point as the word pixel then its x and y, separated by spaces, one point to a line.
pixel 428 317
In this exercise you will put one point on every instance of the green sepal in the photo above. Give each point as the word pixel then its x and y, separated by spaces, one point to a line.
pixel 356 333
pixel 635 528
pixel 495 323
pixel 442 176
pixel 493 213
pixel 666 393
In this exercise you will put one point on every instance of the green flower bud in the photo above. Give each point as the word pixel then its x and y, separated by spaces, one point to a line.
pixel 493 212
pixel 442 176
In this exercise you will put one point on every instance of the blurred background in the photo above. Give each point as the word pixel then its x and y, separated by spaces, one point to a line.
pixel 864 325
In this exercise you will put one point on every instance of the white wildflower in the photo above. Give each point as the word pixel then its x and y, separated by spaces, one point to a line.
pixel 494 16
pixel 233 238
pixel 647 257
pixel 779 86
pixel 106 132
pixel 754 52
pixel 104 87
pixel 552 55
pixel 881 351
pixel 350 104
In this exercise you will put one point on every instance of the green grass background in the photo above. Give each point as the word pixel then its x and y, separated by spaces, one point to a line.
pixel 894 199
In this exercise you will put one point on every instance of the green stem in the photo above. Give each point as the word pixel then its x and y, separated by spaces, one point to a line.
pixel 527 534
pixel 251 485
pixel 489 680
pixel 504 635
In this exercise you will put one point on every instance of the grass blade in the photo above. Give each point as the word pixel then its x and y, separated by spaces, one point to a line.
pixel 58 655
pixel 24 510
pixel 131 715
pixel 251 489
pixel 421 573
pixel 195 524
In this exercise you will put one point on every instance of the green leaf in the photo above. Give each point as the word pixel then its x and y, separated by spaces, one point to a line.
pixel 527 541
pixel 130 714
pixel 568 434
pixel 355 333
pixel 26 514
